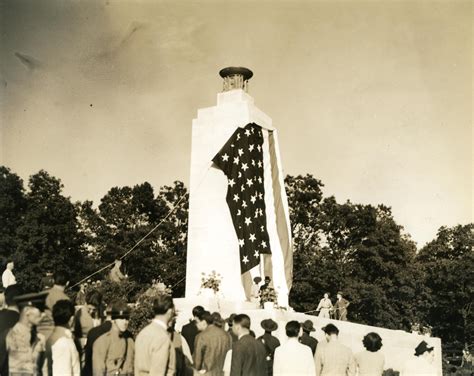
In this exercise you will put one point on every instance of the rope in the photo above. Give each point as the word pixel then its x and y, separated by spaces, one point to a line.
pixel 136 244
pixel 176 205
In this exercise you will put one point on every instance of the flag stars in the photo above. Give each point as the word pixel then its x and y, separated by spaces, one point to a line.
pixel 242 188
pixel 259 147
pixel 248 221
pixel 253 199
pixel 253 162
pixel 247 132
pixel 236 160
pixel 245 167
pixel 244 204
pixel 241 242
pixel 240 151
pixel 238 136
pixel 264 245
pixel 256 254
pixel 251 147
pixel 245 260
pixel 252 238
pixel 260 181
pixel 249 182
pixel 240 175
pixel 259 163
pixel 231 182
pixel 225 157
pixel 262 228
pixel 236 198
pixel 239 212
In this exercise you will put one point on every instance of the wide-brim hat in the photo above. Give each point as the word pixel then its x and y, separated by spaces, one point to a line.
pixel 36 299
pixel 269 325
pixel 308 326
pixel 422 348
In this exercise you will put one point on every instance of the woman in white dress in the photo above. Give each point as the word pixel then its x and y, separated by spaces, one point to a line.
pixel 325 307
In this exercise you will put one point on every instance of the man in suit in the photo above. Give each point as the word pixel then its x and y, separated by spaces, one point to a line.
pixel 293 358
pixel 92 336
pixel 190 330
pixel 154 351
pixel 211 346
pixel 306 338
pixel 333 358
pixel 248 354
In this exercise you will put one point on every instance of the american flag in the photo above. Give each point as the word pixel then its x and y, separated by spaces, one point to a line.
pixel 241 160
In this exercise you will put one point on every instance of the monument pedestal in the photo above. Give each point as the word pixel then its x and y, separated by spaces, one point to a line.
pixel 398 345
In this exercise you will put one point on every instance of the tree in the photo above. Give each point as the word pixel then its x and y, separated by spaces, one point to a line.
pixel 12 210
pixel 448 264
pixel 47 237
pixel 125 216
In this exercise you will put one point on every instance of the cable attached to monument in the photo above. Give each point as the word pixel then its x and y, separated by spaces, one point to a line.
pixel 176 205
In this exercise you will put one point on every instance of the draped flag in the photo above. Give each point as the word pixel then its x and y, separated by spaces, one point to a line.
pixel 256 201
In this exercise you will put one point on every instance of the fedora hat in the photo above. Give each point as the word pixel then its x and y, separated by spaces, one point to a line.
pixel 422 348
pixel 269 325
pixel 308 326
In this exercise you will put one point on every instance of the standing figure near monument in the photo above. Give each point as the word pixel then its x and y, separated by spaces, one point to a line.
pixel 270 342
pixel 248 354
pixel 421 363
pixel 325 307
pixel 340 307
pixel 8 278
pixel 116 274
pixel 254 297
pixel 293 358
pixel 154 351
pixel 113 352
pixel 190 330
pixel 333 358
pixel 371 361
pixel 211 346
pixel 306 338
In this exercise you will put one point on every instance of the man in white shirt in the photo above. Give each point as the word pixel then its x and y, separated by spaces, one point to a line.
pixel 293 358
pixel 61 353
pixel 8 278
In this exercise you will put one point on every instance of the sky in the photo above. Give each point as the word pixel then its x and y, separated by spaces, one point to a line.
pixel 373 98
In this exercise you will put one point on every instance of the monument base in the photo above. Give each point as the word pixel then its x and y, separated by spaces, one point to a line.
pixel 398 345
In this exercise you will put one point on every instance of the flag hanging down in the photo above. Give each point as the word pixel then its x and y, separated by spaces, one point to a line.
pixel 257 203
pixel 241 160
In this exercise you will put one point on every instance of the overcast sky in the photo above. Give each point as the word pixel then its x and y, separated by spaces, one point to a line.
pixel 373 98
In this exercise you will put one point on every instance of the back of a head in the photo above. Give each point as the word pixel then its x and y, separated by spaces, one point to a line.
pixel 63 310
pixel 243 320
pixel 217 319
pixel 94 298
pixel 11 292
pixel 331 329
pixel 161 304
pixel 205 316
pixel 198 309
pixel 372 342
pixel 292 329
pixel 61 278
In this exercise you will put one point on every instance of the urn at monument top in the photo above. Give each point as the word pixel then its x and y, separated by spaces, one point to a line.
pixel 212 241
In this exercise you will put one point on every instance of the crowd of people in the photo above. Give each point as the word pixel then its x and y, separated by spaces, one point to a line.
pixel 46 334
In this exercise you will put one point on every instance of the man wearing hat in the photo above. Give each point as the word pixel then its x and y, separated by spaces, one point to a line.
pixel 293 358
pixel 340 307
pixel 333 358
pixel 270 342
pixel 422 362
pixel 306 338
pixel 113 352
pixel 24 346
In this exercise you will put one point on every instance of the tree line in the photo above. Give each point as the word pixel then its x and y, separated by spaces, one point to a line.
pixel 354 248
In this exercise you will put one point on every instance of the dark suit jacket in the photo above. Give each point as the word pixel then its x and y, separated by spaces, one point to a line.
pixel 93 334
pixel 189 332
pixel 8 319
pixel 248 357
pixel 307 340
pixel 211 346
